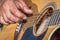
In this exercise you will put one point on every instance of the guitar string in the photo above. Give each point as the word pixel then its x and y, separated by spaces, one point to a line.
pixel 54 19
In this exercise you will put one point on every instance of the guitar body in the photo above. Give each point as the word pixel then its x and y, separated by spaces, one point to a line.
pixel 37 6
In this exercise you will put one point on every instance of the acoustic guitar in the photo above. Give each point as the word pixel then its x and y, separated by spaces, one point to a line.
pixel 45 19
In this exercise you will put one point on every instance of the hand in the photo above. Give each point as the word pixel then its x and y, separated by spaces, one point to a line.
pixel 10 13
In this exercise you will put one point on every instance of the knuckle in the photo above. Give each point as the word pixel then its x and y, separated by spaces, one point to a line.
pixel 16 20
pixel 6 21
pixel 9 17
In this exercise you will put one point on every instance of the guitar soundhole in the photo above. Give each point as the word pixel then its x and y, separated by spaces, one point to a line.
pixel 56 35
pixel 42 21
pixel 45 17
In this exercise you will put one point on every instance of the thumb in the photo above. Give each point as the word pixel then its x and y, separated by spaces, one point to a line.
pixel 24 7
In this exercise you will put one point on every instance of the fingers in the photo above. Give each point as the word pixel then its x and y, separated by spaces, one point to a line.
pixel 21 4
pixel 16 12
pixel 2 20
pixel 11 14
pixel 6 18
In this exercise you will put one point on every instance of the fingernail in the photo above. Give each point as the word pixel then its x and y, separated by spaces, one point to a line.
pixel 28 10
pixel 24 17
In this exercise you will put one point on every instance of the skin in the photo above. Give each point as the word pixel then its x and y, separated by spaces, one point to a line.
pixel 10 13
